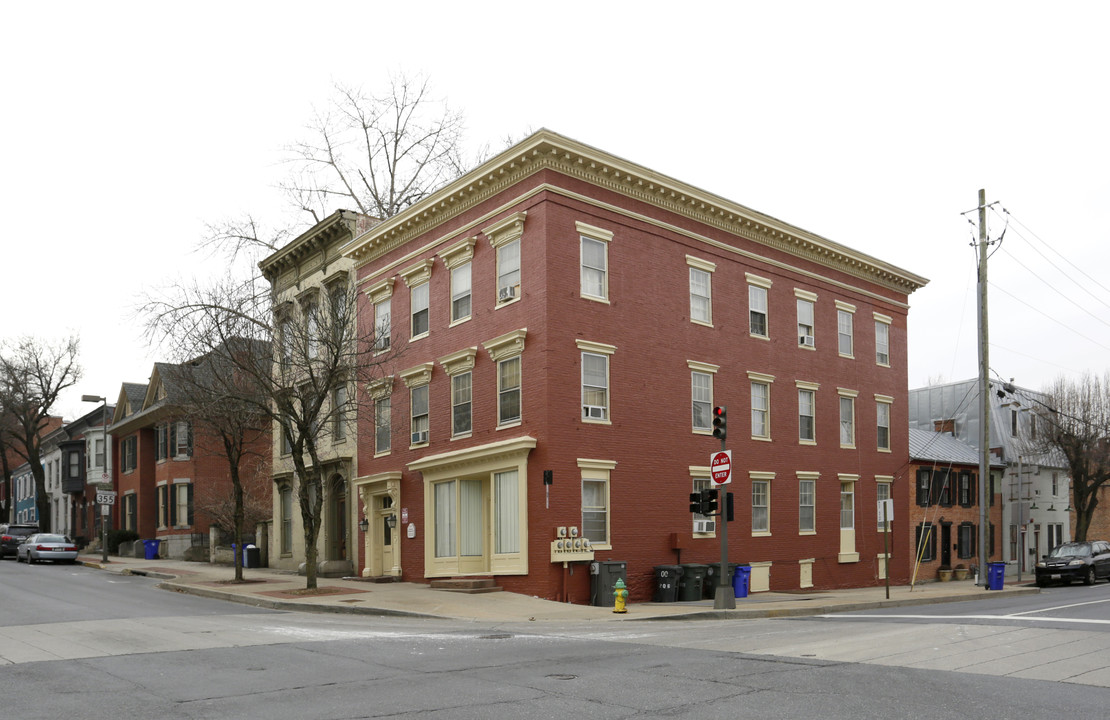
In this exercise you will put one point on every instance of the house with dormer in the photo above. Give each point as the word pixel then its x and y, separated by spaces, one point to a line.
pixel 170 464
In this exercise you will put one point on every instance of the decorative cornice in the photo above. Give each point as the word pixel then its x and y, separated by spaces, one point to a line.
pixel 506 230
pixel 548 150
pixel 459 362
pixel 504 449
pixel 506 346
pixel 418 375
pixel 380 388
pixel 459 253
pixel 380 291
pixel 418 273
pixel 336 228
pixel 595 347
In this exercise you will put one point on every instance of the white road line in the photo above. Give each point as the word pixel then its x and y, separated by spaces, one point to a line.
pixel 1060 607
pixel 1079 621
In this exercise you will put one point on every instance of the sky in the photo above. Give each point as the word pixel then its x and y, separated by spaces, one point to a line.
pixel 128 127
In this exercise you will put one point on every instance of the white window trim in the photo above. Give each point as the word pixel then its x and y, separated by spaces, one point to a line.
pixel 765 477
pixel 886 320
pixel 889 402
pixel 813 477
pixel 590 469
pixel 702 472
pixel 589 232
pixel 500 234
pixel 843 393
pixel 850 310
pixel 708 268
pixel 594 348
pixel 811 298
pixel 704 369
pixel 765 284
pixel 887 480
pixel 761 379
pixel 812 387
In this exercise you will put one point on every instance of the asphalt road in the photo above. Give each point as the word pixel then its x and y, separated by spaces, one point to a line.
pixel 76 642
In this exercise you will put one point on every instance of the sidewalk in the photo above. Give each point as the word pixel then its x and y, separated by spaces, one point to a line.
pixel 285 591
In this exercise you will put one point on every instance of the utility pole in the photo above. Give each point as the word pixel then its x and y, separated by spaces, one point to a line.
pixel 984 394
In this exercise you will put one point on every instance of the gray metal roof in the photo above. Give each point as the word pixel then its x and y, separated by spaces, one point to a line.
pixel 942 447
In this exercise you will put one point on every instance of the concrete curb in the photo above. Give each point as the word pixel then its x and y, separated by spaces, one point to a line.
pixel 287 605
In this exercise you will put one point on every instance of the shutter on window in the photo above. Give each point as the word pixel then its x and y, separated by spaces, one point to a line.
pixel 172 450
pixel 189 429
pixel 172 498
pixel 189 490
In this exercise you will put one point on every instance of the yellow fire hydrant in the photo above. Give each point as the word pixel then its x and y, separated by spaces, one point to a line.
pixel 620 595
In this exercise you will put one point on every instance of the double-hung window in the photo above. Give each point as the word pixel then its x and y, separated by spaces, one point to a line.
pixel 757 305
pixel 844 333
pixel 807 412
pixel 162 444
pixel 420 303
pixel 882 492
pixel 701 395
pixel 460 293
pixel 418 277
pixel 761 405
pixel 761 506
pixel 418 379
pixel 504 237
pixel 595 380
pixel 847 417
pixel 181 439
pixel 381 295
pixel 882 339
pixel 457 259
pixel 461 404
pixel 506 351
pixel 701 290
pixel 594 247
pixel 882 421
pixel 806 301
pixel 383 426
pixel 807 502
pixel 595 500
pixel 339 414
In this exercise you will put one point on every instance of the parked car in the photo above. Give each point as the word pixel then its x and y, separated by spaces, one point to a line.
pixel 1086 561
pixel 12 534
pixel 46 546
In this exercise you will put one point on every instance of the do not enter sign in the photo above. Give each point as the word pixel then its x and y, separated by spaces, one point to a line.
pixel 720 467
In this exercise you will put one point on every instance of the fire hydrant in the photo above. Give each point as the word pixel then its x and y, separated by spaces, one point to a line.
pixel 620 595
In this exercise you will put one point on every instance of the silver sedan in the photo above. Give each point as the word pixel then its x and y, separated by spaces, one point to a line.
pixel 45 546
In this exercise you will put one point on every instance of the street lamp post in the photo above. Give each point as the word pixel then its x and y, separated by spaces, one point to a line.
pixel 104 511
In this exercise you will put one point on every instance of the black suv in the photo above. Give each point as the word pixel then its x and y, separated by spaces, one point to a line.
pixel 12 535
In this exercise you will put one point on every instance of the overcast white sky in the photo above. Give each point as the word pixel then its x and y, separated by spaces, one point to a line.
pixel 128 126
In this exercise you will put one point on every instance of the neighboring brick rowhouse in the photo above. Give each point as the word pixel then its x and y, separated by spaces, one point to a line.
pixel 476 502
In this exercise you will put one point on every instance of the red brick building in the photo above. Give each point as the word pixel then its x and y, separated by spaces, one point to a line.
pixel 171 473
pixel 943 477
pixel 564 321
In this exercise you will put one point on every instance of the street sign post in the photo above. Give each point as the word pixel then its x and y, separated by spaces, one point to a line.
pixel 720 467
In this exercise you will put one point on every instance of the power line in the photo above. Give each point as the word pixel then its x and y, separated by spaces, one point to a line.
pixel 1049 317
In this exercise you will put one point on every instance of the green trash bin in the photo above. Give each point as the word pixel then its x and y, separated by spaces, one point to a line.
pixel 713 578
pixel 692 583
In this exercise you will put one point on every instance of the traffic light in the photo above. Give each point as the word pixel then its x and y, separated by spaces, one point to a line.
pixel 695 503
pixel 728 507
pixel 719 422
pixel 710 502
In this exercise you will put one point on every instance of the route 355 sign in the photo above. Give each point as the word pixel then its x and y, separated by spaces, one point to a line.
pixel 105 497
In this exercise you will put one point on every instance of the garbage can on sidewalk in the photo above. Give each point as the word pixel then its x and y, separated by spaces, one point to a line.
pixel 692 583
pixel 252 557
pixel 741 580
pixel 150 548
pixel 603 578
pixel 996 575
pixel 712 578
pixel 666 583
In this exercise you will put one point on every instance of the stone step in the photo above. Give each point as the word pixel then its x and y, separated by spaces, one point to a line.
pixel 470 586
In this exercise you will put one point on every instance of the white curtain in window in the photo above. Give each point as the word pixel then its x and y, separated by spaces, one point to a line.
pixel 470 517
pixel 445 519
pixel 595 380
pixel 508 513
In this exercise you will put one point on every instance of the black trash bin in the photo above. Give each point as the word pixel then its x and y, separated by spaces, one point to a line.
pixel 666 583
pixel 252 557
pixel 712 579
pixel 603 578
pixel 692 583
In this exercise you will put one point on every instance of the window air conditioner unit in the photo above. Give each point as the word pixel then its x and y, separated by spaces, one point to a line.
pixel 806 340
pixel 506 293
pixel 419 437
pixel 593 412
pixel 705 526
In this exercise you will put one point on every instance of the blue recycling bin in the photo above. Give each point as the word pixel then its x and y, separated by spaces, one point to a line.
pixel 996 575
pixel 741 579
pixel 150 548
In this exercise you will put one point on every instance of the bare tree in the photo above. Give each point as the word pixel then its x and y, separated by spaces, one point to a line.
pixel 318 353
pixel 224 409
pixel 376 154
pixel 1079 428
pixel 33 373
pixel 7 462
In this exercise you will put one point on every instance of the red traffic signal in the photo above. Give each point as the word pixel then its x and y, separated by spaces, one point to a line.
pixel 720 421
